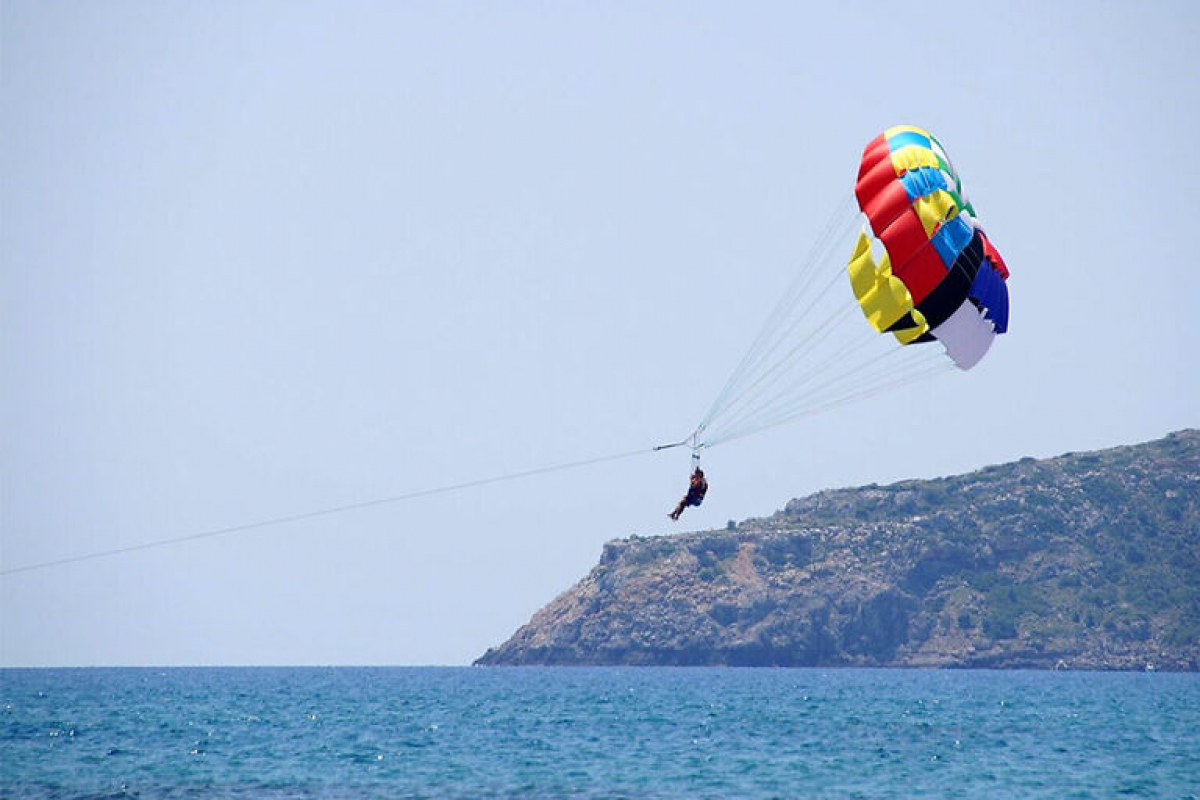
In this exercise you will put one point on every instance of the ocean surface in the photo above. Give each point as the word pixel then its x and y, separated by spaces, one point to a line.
pixel 596 733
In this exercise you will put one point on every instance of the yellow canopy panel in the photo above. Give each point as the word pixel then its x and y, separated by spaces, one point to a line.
pixel 913 157
pixel 883 297
pixel 934 210
pixel 895 129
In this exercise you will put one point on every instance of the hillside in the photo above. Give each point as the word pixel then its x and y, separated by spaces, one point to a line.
pixel 1084 561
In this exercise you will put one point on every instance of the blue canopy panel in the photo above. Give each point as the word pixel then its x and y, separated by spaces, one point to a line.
pixel 907 138
pixel 990 292
pixel 951 238
pixel 922 182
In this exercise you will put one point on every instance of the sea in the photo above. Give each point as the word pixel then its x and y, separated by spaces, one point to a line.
pixel 579 732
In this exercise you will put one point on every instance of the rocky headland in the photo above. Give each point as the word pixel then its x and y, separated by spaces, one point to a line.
pixel 1083 561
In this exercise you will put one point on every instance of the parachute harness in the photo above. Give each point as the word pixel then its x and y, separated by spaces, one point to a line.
pixel 692 442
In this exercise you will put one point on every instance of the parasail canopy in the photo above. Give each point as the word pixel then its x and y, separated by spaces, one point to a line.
pixel 921 268
pixel 939 278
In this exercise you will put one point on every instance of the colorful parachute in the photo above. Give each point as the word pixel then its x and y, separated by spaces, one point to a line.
pixel 922 269
pixel 939 277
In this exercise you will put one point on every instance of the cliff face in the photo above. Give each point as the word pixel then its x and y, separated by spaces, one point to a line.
pixel 1085 561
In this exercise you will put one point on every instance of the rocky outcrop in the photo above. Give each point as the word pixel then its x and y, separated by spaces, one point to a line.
pixel 1086 561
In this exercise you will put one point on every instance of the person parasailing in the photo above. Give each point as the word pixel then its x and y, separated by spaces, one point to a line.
pixel 697 488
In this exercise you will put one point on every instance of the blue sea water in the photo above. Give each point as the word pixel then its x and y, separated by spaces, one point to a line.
pixel 596 733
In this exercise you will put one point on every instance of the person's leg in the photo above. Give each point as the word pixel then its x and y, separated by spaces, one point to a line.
pixel 679 509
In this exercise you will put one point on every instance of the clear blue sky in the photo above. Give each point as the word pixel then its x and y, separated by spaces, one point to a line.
pixel 264 258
